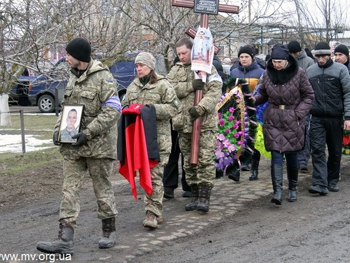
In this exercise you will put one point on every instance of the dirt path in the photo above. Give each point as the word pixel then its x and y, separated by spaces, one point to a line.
pixel 315 229
pixel 242 225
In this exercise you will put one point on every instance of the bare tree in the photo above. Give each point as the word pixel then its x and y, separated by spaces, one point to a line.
pixel 320 20
pixel 33 35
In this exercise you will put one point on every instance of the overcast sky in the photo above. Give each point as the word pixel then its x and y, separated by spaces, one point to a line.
pixel 258 8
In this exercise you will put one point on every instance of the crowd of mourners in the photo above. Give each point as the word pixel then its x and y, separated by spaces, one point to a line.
pixel 306 112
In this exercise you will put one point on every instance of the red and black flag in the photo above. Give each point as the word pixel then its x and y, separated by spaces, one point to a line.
pixel 137 145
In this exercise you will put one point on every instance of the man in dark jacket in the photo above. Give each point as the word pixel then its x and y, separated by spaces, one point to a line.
pixel 341 55
pixel 304 61
pixel 331 84
pixel 248 69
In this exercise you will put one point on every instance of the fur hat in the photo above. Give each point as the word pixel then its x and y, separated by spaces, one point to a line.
pixel 294 46
pixel 248 49
pixel 280 51
pixel 342 49
pixel 146 59
pixel 322 48
pixel 79 49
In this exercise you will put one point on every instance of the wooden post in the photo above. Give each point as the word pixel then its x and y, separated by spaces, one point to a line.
pixel 204 17
pixel 21 116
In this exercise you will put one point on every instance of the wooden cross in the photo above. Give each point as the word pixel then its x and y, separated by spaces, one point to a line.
pixel 207 7
pixel 204 17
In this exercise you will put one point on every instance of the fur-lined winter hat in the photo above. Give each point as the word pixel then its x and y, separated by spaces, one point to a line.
pixel 322 48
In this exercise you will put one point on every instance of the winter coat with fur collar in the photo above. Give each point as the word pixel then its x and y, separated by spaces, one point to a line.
pixel 289 96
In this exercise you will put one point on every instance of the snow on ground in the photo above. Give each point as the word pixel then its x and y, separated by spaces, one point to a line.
pixel 13 143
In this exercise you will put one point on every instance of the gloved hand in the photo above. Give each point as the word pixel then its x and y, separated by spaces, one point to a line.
pixel 81 139
pixel 193 113
pixel 198 84
pixel 55 139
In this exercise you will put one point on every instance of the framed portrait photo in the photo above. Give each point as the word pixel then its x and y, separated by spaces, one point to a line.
pixel 70 123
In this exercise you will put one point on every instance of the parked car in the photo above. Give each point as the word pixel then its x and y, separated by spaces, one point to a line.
pixel 47 89
pixel 40 90
pixel 19 92
pixel 44 89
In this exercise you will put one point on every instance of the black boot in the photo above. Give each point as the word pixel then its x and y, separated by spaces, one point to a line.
pixel 194 202
pixel 292 173
pixel 233 172
pixel 254 174
pixel 277 180
pixel 219 174
pixel 108 233
pixel 64 244
pixel 204 197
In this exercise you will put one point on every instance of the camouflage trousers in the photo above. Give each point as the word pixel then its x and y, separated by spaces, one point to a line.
pixel 74 171
pixel 154 202
pixel 204 171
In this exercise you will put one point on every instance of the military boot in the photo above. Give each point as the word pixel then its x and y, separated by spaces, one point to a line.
pixel 64 244
pixel 277 181
pixel 108 233
pixel 254 171
pixel 194 202
pixel 152 220
pixel 292 174
pixel 204 197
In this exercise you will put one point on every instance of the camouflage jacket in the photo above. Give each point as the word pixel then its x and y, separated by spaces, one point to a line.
pixel 94 89
pixel 181 76
pixel 167 105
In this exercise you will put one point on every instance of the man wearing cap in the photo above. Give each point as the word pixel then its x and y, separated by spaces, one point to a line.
pixel 341 55
pixel 249 70
pixel 93 86
pixel 331 84
pixel 304 61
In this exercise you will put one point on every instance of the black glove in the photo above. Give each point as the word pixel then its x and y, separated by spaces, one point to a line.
pixel 81 139
pixel 193 113
pixel 198 84
pixel 55 139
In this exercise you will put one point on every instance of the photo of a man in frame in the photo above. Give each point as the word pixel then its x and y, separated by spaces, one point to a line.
pixel 70 130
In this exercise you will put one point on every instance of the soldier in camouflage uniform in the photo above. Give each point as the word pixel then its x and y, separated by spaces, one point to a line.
pixel 93 86
pixel 201 176
pixel 152 88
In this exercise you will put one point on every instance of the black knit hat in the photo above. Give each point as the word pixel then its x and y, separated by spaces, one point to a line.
pixel 248 49
pixel 294 46
pixel 342 49
pixel 280 51
pixel 322 48
pixel 79 49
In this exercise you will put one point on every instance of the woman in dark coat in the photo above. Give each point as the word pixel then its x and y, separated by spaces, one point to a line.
pixel 289 94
